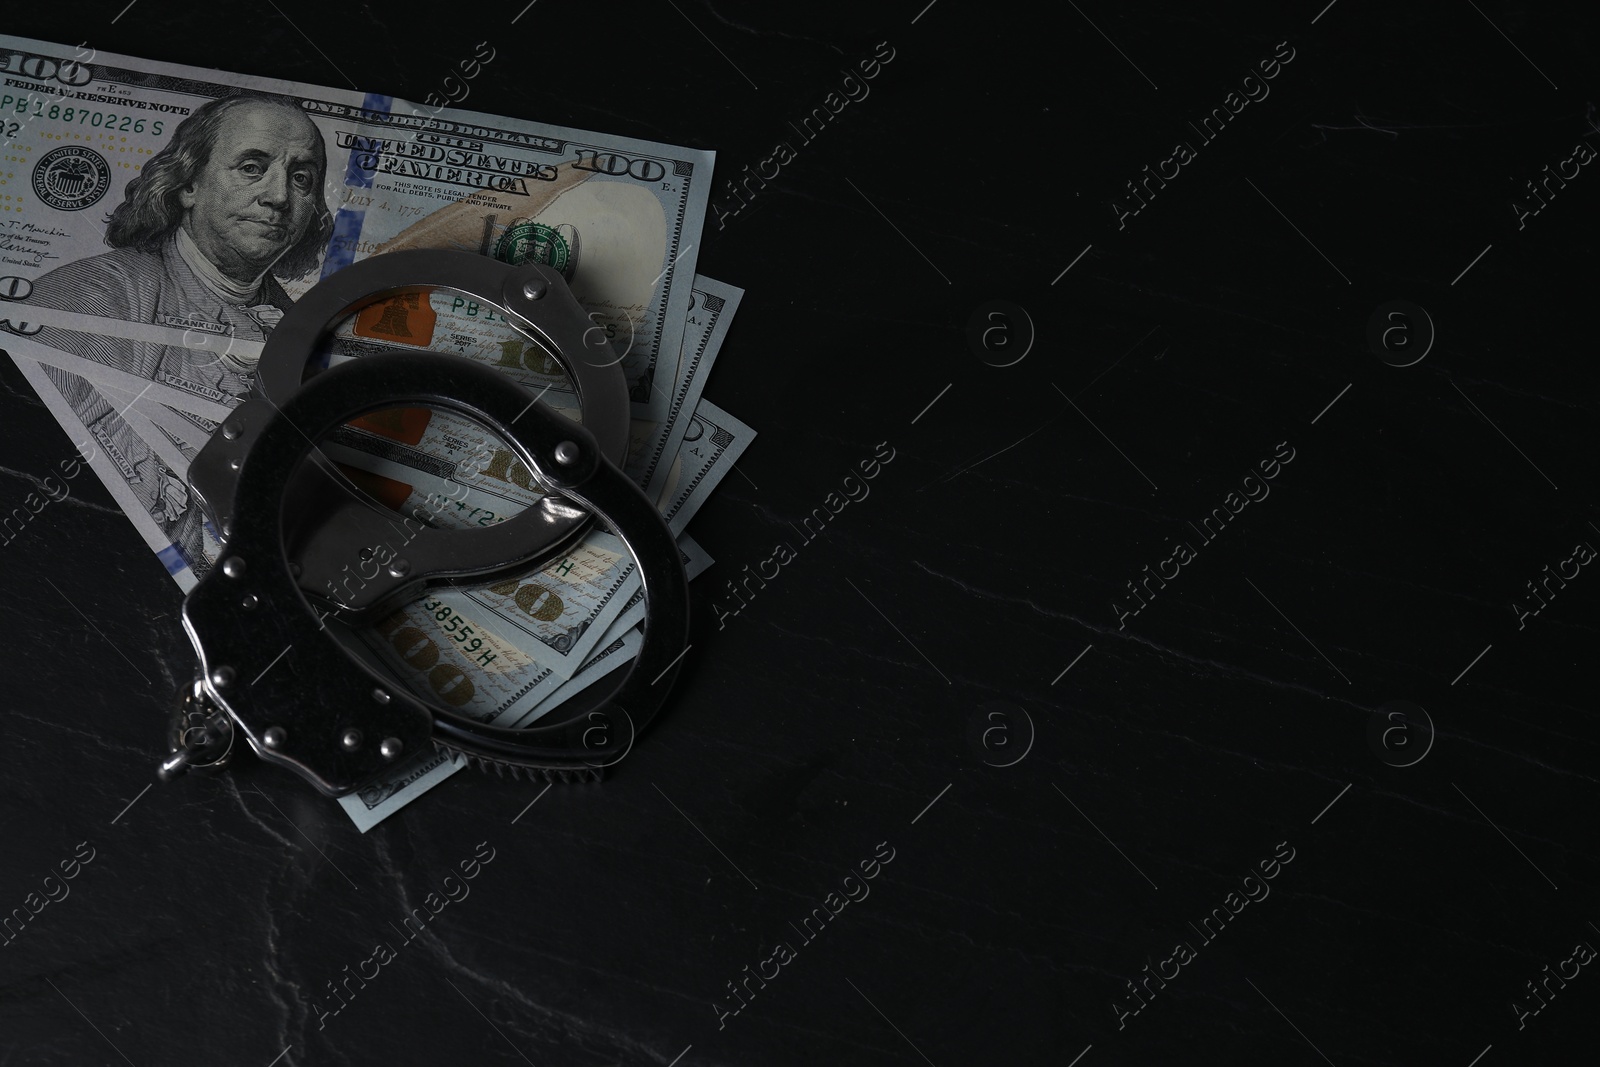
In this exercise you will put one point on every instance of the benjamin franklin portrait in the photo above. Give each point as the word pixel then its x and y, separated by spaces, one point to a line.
pixel 230 206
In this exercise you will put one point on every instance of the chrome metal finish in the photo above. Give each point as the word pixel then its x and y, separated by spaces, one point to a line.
pixel 199 736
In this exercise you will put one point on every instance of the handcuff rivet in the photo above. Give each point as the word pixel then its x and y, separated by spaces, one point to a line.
pixel 350 739
pixel 535 289
pixel 274 737
pixel 233 566
pixel 391 748
pixel 222 677
pixel 399 568
pixel 249 602
pixel 380 696
pixel 231 430
pixel 567 453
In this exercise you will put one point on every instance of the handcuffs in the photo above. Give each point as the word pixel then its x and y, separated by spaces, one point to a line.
pixel 270 673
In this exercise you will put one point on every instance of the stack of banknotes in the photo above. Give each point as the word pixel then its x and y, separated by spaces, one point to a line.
pixel 157 220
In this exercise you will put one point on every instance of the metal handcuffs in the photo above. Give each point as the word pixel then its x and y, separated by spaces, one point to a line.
pixel 269 671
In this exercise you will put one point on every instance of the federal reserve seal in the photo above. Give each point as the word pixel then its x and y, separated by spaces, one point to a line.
pixel 534 242
pixel 71 177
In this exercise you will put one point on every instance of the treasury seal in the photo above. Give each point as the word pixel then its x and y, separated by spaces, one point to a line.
pixel 71 178
pixel 534 242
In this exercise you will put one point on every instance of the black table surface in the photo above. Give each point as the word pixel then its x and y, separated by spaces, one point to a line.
pixel 1311 783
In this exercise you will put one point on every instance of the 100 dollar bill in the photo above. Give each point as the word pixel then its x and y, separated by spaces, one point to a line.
pixel 712 444
pixel 440 444
pixel 711 309
pixel 289 183
pixel 414 642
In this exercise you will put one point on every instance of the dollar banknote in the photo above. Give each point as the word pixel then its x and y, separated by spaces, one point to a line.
pixel 623 633
pixel 557 611
pixel 151 494
pixel 461 659
pixel 224 197
pixel 440 661
pixel 437 444
pixel 712 305
pixel 438 654
pixel 613 655
pixel 712 443
pixel 369 806
pixel 567 606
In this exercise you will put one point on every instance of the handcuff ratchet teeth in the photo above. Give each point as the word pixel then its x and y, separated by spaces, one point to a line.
pixel 289 522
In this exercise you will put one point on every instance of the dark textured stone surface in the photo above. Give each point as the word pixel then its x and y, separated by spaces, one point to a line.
pixel 855 688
